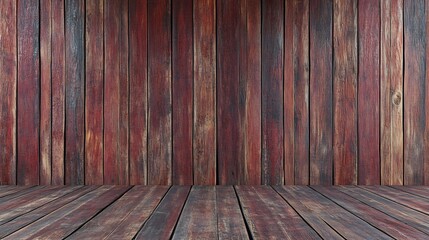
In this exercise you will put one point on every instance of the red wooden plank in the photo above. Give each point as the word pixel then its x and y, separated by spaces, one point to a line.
pixel 8 71
pixel 58 91
pixel 252 116
pixel 204 139
pixel 345 92
pixel 11 190
pixel 28 92
pixel 165 215
pixel 272 91
pixel 138 91
pixel 321 92
pixel 116 92
pixel 230 221
pixel 182 75
pixel 229 143
pixel 414 91
pixel 159 98
pixel 301 91
pixel 94 92
pixel 422 191
pixel 74 97
pixel 426 164
pixel 369 91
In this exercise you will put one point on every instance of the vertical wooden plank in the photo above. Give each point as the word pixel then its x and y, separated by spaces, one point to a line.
pixel 414 91
pixel 58 92
pixel 45 92
pixel 159 130
pixel 182 91
pixel 138 91
pixel 116 92
pixel 426 167
pixel 252 118
pixel 8 83
pixel 369 92
pixel 272 91
pixel 204 138
pixel 28 92
pixel 301 91
pixel 94 92
pixel 345 92
pixel 321 92
pixel 228 89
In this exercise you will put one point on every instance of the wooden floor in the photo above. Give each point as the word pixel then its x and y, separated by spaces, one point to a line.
pixel 221 212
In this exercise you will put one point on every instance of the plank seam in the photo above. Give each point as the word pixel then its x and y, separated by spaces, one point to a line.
pixel 249 232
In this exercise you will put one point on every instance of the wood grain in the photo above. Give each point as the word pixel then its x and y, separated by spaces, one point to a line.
pixel 204 126
pixel 94 92
pixel 230 221
pixel 159 97
pixel 116 91
pixel 272 94
pixel 28 102
pixel 8 86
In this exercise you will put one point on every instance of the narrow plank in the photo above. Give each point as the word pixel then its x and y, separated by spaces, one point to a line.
pixel 229 134
pixel 94 124
pixel 138 91
pixel 58 92
pixel 345 92
pixel 414 91
pixel 28 122
pixel 113 216
pixel 8 74
pixel 39 212
pixel 307 202
pixel 13 195
pixel 230 221
pixel 252 116
pixel 369 92
pixel 421 191
pixel 32 194
pixel 182 75
pixel 402 213
pixel 321 123
pixel 74 95
pixel 165 215
pixel 272 93
pixel 159 98
pixel 204 125
pixel 198 219
pixel 269 216
pixel 67 219
pixel 45 91
pixel 426 161
pixel 12 189
pixel 301 92
pixel 116 92
pixel 378 219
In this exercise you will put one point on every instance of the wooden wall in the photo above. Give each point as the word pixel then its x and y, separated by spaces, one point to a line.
pixel 214 92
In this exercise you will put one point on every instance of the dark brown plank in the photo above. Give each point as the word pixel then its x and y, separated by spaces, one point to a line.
pixel 74 95
pixel 12 195
pixel 113 217
pixel 204 126
pixel 67 219
pixel 94 92
pixel 230 221
pixel 8 71
pixel 116 92
pixel 165 215
pixel 414 91
pixel 272 93
pixel 321 124
pixel 45 92
pixel 378 219
pixel 28 123
pixel 301 73
pixel 159 98
pixel 182 77
pixel 307 202
pixel 368 92
pixel 198 219
pixel 12 190
pixel 345 92
pixel 39 212
pixel 58 92
pixel 269 216
pixel 138 91
pixel 422 191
